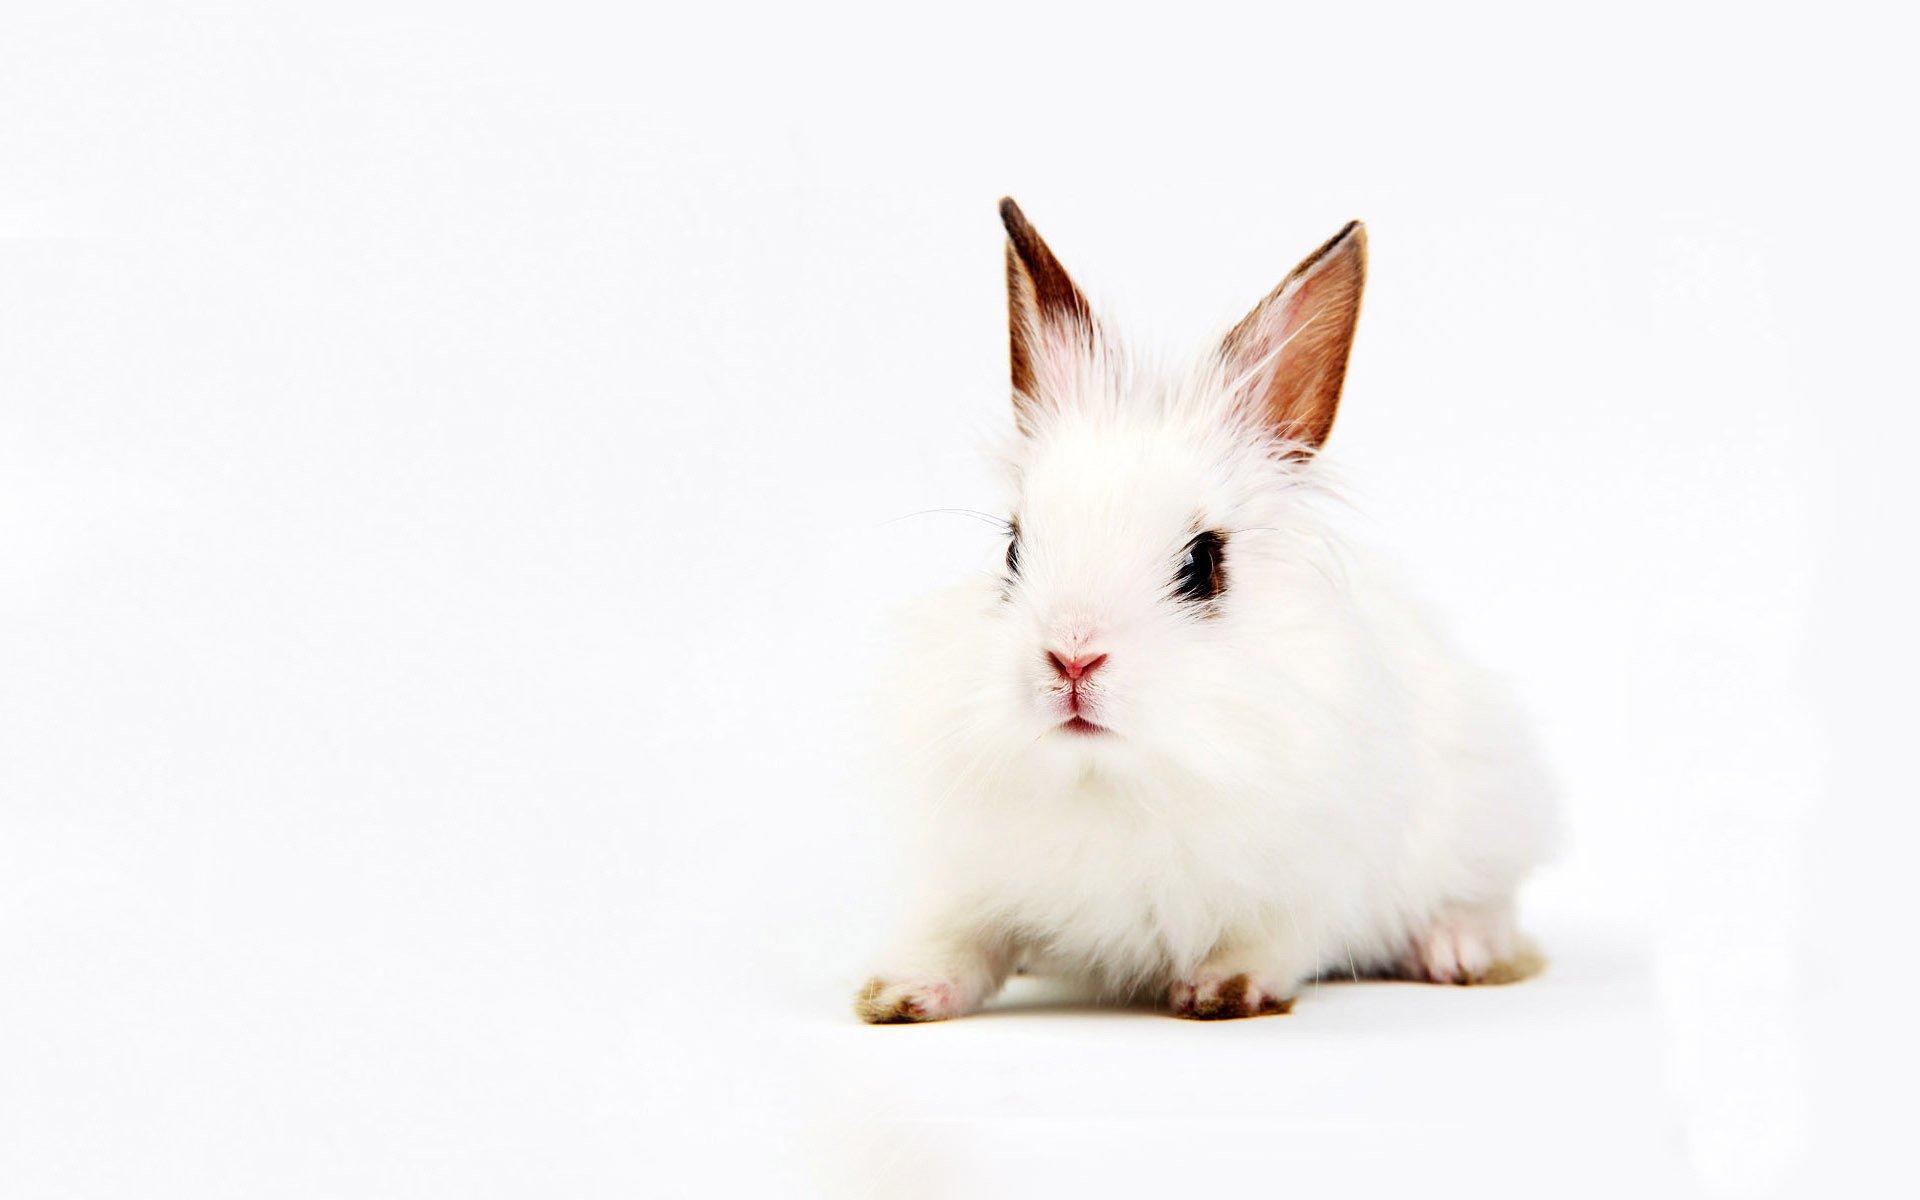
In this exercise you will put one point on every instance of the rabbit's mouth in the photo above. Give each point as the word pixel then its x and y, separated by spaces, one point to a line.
pixel 1079 724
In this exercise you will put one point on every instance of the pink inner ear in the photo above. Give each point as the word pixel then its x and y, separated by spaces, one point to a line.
pixel 1294 315
pixel 1058 351
pixel 1266 351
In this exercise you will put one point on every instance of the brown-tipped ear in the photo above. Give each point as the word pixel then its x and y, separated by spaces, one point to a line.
pixel 1042 303
pixel 1289 356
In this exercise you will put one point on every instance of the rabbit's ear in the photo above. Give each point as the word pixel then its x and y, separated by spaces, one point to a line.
pixel 1288 358
pixel 1047 317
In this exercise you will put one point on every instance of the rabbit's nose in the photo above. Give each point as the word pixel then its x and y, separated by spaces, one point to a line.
pixel 1072 669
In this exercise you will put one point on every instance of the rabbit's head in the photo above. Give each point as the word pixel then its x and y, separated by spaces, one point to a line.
pixel 1161 522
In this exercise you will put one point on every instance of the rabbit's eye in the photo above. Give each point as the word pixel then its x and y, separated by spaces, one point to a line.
pixel 1200 577
pixel 1013 555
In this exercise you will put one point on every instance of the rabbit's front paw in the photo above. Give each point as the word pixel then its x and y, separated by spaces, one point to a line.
pixel 908 1001
pixel 1209 996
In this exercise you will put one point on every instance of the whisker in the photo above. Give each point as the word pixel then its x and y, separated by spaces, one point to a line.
pixel 999 523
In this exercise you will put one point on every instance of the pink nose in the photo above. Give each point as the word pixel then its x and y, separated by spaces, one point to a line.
pixel 1071 669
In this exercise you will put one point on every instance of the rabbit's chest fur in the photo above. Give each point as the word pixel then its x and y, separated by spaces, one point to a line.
pixel 1130 883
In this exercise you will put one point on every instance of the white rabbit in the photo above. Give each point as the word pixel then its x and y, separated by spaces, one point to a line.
pixel 1184 740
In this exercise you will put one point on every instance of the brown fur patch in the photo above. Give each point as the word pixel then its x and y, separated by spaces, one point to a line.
pixel 1039 292
pixel 1316 307
pixel 870 1008
pixel 1231 1003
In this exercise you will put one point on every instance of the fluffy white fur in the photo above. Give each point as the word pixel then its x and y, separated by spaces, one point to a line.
pixel 1301 778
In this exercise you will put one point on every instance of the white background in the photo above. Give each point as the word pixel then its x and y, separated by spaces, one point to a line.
pixel 449 469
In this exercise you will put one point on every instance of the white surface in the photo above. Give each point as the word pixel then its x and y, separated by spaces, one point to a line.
pixel 448 470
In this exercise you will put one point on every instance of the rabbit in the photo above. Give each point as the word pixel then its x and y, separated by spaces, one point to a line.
pixel 1182 743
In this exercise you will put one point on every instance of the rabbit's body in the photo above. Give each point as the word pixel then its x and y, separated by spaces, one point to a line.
pixel 1220 774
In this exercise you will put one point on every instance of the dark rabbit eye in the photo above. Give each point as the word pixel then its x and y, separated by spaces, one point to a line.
pixel 1013 554
pixel 1200 577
